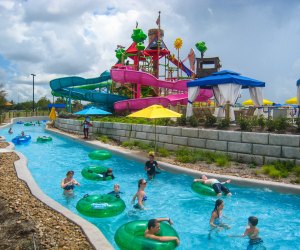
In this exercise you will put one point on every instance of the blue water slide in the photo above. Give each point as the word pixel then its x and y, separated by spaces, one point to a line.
pixel 66 87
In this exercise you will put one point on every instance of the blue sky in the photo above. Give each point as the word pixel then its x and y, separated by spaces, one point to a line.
pixel 51 39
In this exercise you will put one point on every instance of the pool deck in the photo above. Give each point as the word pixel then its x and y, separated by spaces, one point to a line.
pixel 93 234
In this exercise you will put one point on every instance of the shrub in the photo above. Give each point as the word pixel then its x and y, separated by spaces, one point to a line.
pixel 297 180
pixel 163 152
pixel 103 138
pixel 165 122
pixel 210 121
pixel 223 123
pixel 277 169
pixel 270 124
pixel 181 121
pixel 275 174
pixel 296 171
pixel 142 145
pixel 199 155
pixel 297 120
pixel 281 124
pixel 271 171
pixel 222 160
pixel 284 165
pixel 245 124
pixel 185 155
pixel 251 165
pixel 261 122
pixel 193 121
pixel 186 159
pixel 128 144
pixel 210 157
pixel 67 115
pixel 182 151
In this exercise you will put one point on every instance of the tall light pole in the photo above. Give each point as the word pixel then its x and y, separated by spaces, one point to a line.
pixel 33 75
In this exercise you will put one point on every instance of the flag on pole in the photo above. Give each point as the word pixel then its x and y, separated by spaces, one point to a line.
pixel 158 20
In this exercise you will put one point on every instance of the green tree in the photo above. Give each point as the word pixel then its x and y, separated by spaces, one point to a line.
pixel 77 106
pixel 42 104
pixel 60 100
pixel 2 96
pixel 23 106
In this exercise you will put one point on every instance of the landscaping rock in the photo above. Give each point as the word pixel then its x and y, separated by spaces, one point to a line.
pixel 25 221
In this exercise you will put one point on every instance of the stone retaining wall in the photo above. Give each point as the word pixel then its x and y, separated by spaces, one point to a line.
pixel 253 147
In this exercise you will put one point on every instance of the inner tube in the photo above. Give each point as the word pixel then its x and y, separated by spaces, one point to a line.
pixel 200 188
pixel 20 122
pixel 131 236
pixel 100 206
pixel 44 139
pixel 28 124
pixel 21 139
pixel 100 155
pixel 91 173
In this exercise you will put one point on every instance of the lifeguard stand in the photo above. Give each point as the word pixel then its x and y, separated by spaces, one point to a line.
pixel 207 66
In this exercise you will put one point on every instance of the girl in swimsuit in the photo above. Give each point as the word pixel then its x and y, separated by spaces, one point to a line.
pixel 69 183
pixel 216 216
pixel 140 195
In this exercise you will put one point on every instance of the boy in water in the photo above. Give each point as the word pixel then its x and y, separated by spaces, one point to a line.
pixel 150 166
pixel 215 184
pixel 252 232
pixel 116 191
pixel 108 173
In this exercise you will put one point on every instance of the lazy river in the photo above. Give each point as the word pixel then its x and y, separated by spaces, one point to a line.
pixel 169 195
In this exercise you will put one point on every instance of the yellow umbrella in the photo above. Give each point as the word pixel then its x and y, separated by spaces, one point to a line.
pixel 292 100
pixel 155 112
pixel 52 114
pixel 8 104
pixel 250 102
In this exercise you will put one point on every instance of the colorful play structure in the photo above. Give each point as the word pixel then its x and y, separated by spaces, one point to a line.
pixel 142 76
pixel 78 88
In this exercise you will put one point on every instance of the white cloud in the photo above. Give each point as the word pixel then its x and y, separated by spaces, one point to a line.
pixel 60 38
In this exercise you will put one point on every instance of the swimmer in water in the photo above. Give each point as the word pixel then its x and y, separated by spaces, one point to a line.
pixel 69 183
pixel 140 195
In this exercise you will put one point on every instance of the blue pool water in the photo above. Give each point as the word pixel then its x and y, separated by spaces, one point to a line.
pixel 169 195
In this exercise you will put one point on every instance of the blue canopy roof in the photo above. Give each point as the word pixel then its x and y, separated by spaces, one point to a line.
pixel 298 82
pixel 57 105
pixel 225 77
pixel 92 111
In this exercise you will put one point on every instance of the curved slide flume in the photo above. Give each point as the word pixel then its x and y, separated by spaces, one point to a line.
pixel 70 87
pixel 124 75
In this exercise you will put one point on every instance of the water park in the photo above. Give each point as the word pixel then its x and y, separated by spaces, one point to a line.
pixel 161 156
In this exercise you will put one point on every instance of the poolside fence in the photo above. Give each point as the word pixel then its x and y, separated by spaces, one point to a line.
pixel 6 116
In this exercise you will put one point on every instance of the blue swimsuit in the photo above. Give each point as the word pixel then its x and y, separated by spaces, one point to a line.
pixel 137 206
pixel 69 187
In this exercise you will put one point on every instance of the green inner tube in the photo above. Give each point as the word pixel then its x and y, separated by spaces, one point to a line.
pixel 200 188
pixel 44 139
pixel 100 155
pixel 131 236
pixel 100 206
pixel 91 173
pixel 28 124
